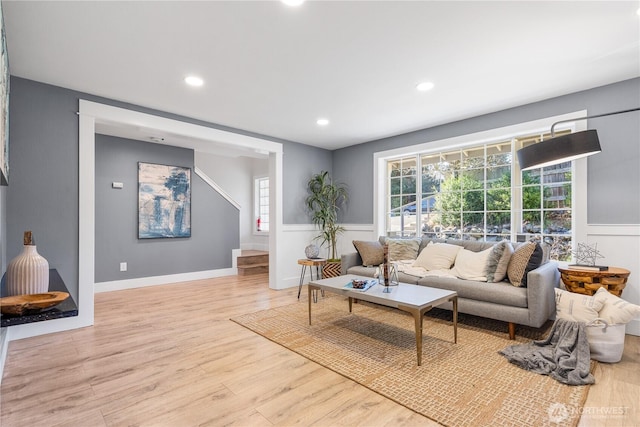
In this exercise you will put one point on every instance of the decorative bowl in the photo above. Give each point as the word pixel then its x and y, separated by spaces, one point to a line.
pixel 19 304
pixel 358 284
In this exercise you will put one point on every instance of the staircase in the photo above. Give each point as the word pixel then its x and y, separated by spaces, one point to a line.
pixel 253 262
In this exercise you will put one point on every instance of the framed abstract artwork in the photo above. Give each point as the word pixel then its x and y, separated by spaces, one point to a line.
pixel 164 201
pixel 4 105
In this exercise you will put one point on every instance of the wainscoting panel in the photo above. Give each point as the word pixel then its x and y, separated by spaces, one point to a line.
pixel 620 247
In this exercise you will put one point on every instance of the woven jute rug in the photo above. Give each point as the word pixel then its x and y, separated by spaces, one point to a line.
pixel 463 384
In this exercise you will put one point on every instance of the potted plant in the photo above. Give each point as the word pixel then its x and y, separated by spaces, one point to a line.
pixel 324 201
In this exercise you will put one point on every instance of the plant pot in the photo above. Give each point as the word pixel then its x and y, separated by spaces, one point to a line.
pixel 331 269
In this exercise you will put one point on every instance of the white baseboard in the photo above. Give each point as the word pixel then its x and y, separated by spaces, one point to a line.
pixel 117 285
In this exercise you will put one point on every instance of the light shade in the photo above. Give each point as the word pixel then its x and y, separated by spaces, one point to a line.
pixel 558 150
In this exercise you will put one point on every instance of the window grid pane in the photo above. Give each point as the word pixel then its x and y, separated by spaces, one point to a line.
pixel 263 203
pixel 471 194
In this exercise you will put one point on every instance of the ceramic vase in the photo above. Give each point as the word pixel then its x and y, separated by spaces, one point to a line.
pixel 28 273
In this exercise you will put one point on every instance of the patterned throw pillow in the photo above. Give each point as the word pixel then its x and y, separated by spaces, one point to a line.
pixel 616 310
pixel 577 307
pixel 499 261
pixel 437 256
pixel 524 259
pixel 372 253
pixel 401 249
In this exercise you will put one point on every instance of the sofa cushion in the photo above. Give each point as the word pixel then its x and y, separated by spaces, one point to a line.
pixel 403 249
pixel 615 310
pixel 471 265
pixel 499 293
pixel 525 258
pixel 499 261
pixel 372 253
pixel 437 256
pixel 577 307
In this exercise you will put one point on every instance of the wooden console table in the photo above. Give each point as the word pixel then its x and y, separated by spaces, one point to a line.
pixel 67 308
pixel 588 282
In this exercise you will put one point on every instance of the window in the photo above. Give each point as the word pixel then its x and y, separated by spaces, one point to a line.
pixel 262 204
pixel 478 193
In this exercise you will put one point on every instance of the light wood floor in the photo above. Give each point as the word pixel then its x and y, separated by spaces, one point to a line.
pixel 169 356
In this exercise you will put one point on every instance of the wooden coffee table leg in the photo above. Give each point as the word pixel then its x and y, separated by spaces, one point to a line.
pixel 311 291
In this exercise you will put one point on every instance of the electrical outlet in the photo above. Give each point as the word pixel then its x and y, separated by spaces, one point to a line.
pixel 123 266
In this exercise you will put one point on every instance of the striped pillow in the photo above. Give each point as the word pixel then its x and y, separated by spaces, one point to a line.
pixel 524 259
pixel 401 249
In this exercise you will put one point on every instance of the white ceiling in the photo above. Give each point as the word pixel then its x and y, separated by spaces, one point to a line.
pixel 272 69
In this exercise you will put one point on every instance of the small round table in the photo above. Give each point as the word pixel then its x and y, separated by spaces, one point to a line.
pixel 308 262
pixel 588 282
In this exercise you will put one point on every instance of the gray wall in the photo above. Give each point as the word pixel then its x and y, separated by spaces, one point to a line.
pixel 43 191
pixel 300 163
pixel 214 221
pixel 614 174
pixel 3 228
pixel 43 182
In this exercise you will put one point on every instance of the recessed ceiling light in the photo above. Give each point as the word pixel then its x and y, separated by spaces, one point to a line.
pixel 424 86
pixel 292 2
pixel 322 122
pixel 194 81
pixel 638 11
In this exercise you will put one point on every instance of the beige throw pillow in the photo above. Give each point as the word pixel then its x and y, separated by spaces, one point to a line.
pixel 471 265
pixel 372 253
pixel 401 249
pixel 615 310
pixel 577 307
pixel 437 256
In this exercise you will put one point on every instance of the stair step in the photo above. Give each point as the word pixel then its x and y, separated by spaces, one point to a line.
pixel 253 269
pixel 253 262
pixel 253 259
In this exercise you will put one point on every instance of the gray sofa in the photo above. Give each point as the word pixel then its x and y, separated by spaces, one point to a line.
pixel 532 305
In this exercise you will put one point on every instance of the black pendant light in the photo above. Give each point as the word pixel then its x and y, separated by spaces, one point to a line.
pixel 563 148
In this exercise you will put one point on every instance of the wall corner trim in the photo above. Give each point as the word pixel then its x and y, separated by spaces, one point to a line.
pixel 216 187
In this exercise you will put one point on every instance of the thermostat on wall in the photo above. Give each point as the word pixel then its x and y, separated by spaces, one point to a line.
pixel 117 185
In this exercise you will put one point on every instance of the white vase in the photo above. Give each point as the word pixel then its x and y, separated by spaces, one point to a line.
pixel 28 273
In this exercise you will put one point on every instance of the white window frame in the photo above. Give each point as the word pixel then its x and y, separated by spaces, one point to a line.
pixel 256 205
pixel 579 167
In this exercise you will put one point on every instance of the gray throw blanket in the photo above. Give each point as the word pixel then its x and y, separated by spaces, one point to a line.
pixel 564 355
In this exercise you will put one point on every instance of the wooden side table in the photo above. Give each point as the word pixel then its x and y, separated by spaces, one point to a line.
pixel 588 282
pixel 307 262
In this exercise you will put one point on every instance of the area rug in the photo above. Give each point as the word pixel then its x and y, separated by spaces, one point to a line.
pixel 463 384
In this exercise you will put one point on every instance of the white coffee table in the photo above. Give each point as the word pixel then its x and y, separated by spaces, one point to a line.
pixel 413 299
